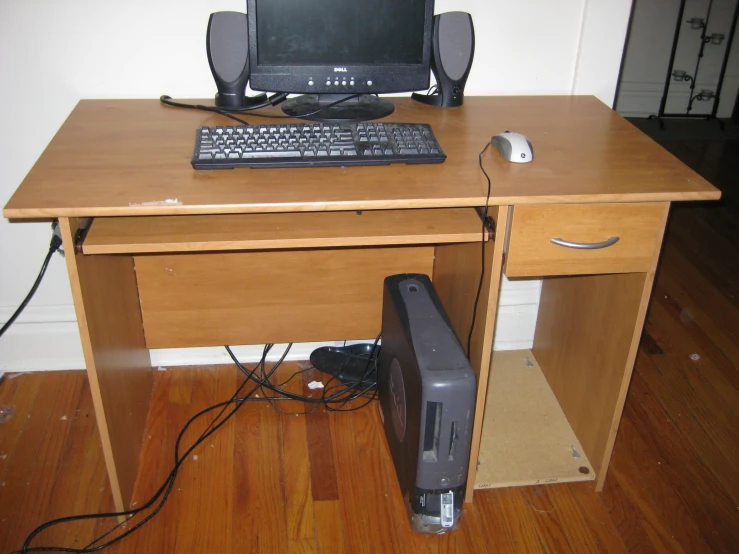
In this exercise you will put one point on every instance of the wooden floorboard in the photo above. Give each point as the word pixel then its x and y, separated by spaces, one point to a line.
pixel 324 483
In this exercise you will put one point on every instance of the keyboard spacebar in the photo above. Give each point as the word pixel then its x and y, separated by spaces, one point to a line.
pixel 272 154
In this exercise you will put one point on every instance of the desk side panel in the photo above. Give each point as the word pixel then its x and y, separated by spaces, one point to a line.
pixel 582 341
pixel 272 296
pixel 456 280
pixel 118 366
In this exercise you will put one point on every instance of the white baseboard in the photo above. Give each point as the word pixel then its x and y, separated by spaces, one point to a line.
pixel 168 357
pixel 46 338
pixel 42 346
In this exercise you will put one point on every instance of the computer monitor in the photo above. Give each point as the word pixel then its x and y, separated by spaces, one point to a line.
pixel 330 49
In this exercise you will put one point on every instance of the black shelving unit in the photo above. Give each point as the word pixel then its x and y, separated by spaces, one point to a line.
pixel 679 75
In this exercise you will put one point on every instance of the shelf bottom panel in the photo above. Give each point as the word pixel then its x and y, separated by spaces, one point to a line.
pixel 526 439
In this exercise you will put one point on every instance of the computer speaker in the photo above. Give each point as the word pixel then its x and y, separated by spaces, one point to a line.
pixel 452 51
pixel 227 44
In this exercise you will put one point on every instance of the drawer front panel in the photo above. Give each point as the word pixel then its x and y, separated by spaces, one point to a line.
pixel 579 239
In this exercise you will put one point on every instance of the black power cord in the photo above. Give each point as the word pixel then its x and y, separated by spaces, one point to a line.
pixel 167 100
pixel 54 246
pixel 333 397
pixel 344 394
pixel 226 111
pixel 162 493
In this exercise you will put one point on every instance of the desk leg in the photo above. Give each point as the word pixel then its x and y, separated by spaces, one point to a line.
pixel 119 370
pixel 456 278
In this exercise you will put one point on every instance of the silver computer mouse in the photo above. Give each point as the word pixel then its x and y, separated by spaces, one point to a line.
pixel 513 147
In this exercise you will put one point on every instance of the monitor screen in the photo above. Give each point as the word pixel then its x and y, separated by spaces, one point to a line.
pixel 320 32
pixel 340 46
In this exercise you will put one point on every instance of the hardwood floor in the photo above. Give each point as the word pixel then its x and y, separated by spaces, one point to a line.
pixel 324 483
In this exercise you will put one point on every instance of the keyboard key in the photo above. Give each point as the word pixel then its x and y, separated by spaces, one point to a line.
pixel 271 154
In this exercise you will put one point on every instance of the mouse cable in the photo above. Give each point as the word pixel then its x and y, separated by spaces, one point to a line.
pixel 166 487
pixel 482 270
pixel 54 246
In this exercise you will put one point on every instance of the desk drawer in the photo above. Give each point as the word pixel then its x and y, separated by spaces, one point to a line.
pixel 577 239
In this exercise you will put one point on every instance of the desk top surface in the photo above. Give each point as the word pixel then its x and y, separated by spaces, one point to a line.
pixel 132 157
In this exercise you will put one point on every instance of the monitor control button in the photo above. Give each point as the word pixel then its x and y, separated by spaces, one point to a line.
pixel 343 83
pixel 351 82
pixel 336 82
pixel 310 82
pixel 328 82
pixel 369 83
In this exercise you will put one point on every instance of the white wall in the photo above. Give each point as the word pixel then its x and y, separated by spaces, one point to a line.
pixel 647 58
pixel 54 53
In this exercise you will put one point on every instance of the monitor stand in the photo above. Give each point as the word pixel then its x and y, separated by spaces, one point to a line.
pixel 361 108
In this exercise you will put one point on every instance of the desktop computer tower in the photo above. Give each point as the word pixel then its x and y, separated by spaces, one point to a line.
pixel 427 390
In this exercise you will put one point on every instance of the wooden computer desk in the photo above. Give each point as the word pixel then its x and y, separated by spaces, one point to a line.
pixel 174 257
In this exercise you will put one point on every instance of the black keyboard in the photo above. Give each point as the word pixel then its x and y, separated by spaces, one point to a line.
pixel 315 144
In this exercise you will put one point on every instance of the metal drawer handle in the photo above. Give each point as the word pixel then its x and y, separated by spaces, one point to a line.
pixel 586 246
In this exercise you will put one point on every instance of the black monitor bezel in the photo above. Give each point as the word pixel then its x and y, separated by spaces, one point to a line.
pixel 384 79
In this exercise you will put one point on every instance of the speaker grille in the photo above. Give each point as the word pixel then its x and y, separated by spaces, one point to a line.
pixel 455 43
pixel 228 44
